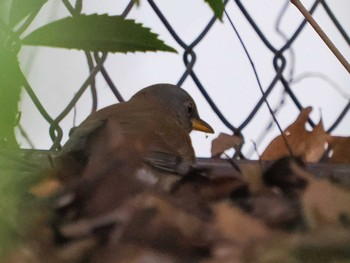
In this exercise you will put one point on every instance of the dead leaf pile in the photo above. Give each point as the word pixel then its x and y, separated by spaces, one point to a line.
pixel 288 217
pixel 273 211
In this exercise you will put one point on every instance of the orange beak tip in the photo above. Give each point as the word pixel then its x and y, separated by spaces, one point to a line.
pixel 200 125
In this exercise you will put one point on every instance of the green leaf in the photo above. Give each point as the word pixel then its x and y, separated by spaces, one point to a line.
pixel 20 9
pixel 4 10
pixel 97 33
pixel 11 80
pixel 217 6
pixel 19 208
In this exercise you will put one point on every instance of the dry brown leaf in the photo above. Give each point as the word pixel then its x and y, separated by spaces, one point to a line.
pixel 225 142
pixel 309 145
pixel 340 147
pixel 238 226
pixel 162 224
pixel 236 233
pixel 128 253
pixel 325 203
pixel 205 189
pixel 281 174
pixel 315 143
pixel 275 209
pixel 187 224
pixel 323 245
pixel 46 188
pixel 252 174
pixel 156 228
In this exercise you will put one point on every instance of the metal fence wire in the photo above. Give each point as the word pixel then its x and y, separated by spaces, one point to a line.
pixel 283 74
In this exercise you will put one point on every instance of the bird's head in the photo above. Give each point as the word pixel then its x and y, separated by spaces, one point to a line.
pixel 177 103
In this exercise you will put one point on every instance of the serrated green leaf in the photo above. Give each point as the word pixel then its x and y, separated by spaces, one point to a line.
pixel 10 88
pixel 22 8
pixel 97 33
pixel 217 6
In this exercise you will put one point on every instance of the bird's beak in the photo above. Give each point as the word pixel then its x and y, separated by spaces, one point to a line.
pixel 200 125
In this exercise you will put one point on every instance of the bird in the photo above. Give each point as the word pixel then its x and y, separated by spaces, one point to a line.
pixel 120 150
pixel 111 162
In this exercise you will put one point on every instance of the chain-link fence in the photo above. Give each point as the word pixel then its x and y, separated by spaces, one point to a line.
pixel 235 84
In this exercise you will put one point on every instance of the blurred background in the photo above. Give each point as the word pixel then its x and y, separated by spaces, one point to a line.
pixel 221 67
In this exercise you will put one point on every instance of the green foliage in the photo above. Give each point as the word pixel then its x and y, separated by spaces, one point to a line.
pixel 4 9
pixel 97 33
pixel 10 88
pixel 15 178
pixel 17 205
pixel 217 6
pixel 21 9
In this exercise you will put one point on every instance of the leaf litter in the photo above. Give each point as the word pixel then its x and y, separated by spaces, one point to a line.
pixel 273 211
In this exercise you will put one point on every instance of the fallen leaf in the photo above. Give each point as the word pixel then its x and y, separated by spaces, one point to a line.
pixel 340 147
pixel 225 142
pixel 237 226
pixel 162 224
pixel 324 245
pixel 252 174
pixel 276 210
pixel 310 146
pixel 282 175
pixel 130 253
pixel 206 189
pixel 236 233
pixel 325 203
pixel 46 188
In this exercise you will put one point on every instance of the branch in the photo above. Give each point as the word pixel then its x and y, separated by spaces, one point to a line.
pixel 321 33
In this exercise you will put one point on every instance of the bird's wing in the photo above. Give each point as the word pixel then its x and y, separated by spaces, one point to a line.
pixel 79 136
pixel 167 162
pixel 171 150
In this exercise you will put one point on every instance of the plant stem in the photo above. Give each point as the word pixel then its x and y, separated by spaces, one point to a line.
pixel 321 33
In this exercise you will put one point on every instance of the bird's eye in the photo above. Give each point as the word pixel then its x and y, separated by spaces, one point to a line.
pixel 190 107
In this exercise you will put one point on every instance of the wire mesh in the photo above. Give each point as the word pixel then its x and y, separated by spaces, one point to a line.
pixel 282 58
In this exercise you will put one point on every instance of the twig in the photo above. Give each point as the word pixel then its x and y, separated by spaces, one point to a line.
pixel 290 150
pixel 321 33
